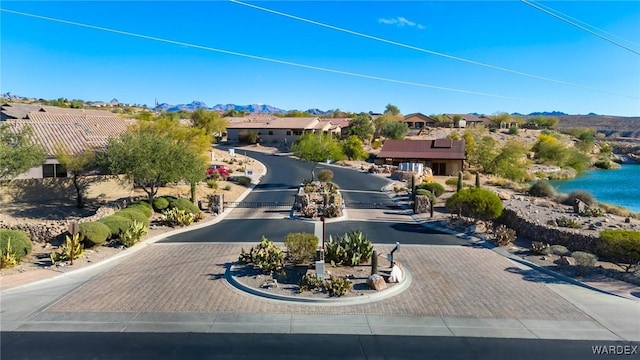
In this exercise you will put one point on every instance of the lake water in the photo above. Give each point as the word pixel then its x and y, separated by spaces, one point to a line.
pixel 616 187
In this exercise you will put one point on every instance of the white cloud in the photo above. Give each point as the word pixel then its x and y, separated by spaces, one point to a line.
pixel 400 21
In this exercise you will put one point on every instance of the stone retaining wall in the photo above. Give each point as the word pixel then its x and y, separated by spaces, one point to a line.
pixel 571 238
pixel 50 231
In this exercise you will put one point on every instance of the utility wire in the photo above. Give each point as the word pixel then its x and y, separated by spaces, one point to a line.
pixel 580 26
pixel 255 57
pixel 430 51
pixel 588 25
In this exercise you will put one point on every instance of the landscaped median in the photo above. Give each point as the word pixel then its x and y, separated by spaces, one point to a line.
pixel 350 272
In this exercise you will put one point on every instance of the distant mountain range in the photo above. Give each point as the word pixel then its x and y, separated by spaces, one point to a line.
pixel 195 105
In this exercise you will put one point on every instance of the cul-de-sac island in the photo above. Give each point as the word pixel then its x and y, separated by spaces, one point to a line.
pixel 375 223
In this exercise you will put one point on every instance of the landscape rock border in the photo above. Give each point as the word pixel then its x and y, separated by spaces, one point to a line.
pixel 355 300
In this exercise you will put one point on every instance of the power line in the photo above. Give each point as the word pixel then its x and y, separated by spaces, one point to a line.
pixel 255 57
pixel 589 25
pixel 429 51
pixel 579 26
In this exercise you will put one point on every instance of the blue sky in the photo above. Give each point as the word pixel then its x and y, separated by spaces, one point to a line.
pixel 495 56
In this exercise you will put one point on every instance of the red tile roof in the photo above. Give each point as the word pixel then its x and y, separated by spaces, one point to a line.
pixel 445 149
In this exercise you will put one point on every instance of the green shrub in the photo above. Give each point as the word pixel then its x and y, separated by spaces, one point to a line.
pixel 117 224
pixel 584 196
pixel 184 204
pixel 451 182
pixel 160 203
pixel 226 187
pixel 584 260
pixel 212 184
pixel 424 192
pixel 134 215
pixel 622 247
pixel 514 130
pixel 376 144
pixel 18 242
pixel 568 223
pixel 434 187
pixel 301 246
pixel 265 256
pixel 478 203
pixel 560 250
pixel 325 175
pixel 592 211
pixel 542 188
pixel 244 181
pixel 337 286
pixel 142 206
pixel 352 248
pixel 94 233
pixel 309 282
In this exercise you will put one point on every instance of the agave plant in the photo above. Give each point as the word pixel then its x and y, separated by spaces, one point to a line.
pixel 71 246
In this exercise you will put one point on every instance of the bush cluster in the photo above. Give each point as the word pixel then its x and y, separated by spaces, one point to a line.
pixel 325 175
pixel 435 188
pixel 142 206
pixel 160 203
pixel 183 204
pixel 542 188
pixel 18 242
pixel 94 233
pixel 244 181
pixel 478 203
pixel 301 246
pixel 584 196
pixel 620 246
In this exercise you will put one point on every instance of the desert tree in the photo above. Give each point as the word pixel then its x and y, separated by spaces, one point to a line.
pixel 317 147
pixel 18 151
pixel 79 165
pixel 150 159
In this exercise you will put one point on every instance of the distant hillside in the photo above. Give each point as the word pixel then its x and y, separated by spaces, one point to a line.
pixel 614 126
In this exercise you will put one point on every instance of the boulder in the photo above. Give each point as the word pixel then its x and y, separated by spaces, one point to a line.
pixel 566 261
pixel 376 282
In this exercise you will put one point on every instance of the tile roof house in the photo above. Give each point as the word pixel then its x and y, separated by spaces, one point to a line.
pixel 276 130
pixel 466 120
pixel 21 111
pixel 419 121
pixel 17 110
pixel 76 132
pixel 443 156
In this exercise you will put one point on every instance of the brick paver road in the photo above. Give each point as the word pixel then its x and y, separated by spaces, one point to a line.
pixel 448 281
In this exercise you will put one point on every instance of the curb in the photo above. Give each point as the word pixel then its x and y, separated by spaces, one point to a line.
pixel 146 242
pixel 354 300
pixel 519 260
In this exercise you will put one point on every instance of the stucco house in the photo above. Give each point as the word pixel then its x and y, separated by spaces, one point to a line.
pixel 419 121
pixel 275 130
pixel 443 156
pixel 75 132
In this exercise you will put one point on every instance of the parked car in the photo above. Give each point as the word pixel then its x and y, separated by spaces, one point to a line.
pixel 221 170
